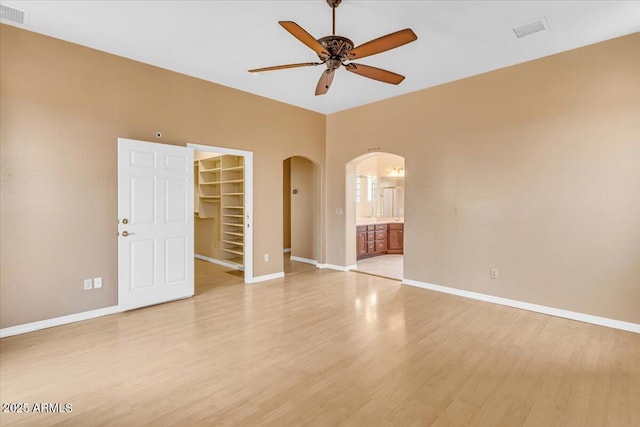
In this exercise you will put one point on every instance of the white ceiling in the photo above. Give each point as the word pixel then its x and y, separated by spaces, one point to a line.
pixel 219 41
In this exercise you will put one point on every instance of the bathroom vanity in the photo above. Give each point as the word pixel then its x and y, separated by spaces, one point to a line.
pixel 379 238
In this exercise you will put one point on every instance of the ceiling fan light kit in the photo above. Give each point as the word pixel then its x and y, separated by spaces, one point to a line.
pixel 334 51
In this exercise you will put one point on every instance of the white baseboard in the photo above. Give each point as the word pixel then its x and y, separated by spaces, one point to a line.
pixel 219 262
pixel 581 317
pixel 305 260
pixel 267 277
pixel 337 267
pixel 285 250
pixel 57 321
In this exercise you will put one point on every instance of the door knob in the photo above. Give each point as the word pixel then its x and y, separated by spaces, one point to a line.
pixel 126 233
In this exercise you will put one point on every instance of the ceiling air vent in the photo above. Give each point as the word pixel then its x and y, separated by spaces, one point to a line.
pixel 11 14
pixel 530 28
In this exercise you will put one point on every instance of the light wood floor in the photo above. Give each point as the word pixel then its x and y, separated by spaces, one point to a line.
pixel 294 267
pixel 324 348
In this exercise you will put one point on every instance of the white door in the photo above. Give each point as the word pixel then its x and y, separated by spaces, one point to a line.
pixel 155 223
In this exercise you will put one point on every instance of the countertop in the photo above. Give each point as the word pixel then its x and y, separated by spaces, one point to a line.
pixel 370 221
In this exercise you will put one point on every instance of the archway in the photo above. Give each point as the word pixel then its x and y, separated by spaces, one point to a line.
pixel 375 204
pixel 301 214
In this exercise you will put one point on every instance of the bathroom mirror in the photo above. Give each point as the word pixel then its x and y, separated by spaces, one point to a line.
pixel 391 202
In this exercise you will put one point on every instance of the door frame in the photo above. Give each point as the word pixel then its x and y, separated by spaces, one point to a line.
pixel 350 237
pixel 317 224
pixel 248 200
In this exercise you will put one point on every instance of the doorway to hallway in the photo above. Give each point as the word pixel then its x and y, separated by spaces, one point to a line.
pixel 301 214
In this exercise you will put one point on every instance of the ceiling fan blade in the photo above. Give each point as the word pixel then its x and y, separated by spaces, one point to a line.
pixel 282 67
pixel 382 44
pixel 375 73
pixel 298 32
pixel 325 82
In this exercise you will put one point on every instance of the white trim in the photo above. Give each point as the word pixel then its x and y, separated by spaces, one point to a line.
pixel 57 321
pixel 286 250
pixel 305 260
pixel 268 277
pixel 219 262
pixel 337 267
pixel 581 317
pixel 248 201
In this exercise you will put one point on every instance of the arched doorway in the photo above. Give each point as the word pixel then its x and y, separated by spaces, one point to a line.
pixel 375 198
pixel 301 214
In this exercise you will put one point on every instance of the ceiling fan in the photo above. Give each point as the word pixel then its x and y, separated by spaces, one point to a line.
pixel 334 50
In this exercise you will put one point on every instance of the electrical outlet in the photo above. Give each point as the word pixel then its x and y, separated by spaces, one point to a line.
pixel 97 282
pixel 87 284
pixel 266 257
pixel 493 273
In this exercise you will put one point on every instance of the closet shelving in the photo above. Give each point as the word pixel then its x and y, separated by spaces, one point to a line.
pixel 232 209
pixel 221 195
pixel 208 187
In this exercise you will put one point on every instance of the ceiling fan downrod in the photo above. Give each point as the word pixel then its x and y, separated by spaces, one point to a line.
pixel 333 4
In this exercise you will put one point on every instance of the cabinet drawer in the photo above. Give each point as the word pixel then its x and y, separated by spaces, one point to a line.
pixel 371 236
pixel 381 227
pixel 380 235
pixel 361 228
pixel 381 245
pixel 371 227
pixel 371 247
pixel 396 226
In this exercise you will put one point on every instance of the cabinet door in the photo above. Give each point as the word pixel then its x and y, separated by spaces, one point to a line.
pixel 396 240
pixel 361 244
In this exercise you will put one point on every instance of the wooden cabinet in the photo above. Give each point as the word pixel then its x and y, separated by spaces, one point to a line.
pixel 396 239
pixel 379 239
pixel 371 240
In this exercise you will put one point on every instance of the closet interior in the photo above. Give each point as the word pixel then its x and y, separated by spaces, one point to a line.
pixel 219 208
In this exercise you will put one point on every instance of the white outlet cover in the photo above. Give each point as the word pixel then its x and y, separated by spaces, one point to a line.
pixel 97 282
pixel 87 284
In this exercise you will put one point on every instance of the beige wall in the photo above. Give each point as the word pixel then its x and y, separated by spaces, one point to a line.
pixel 532 169
pixel 305 212
pixel 63 107
pixel 206 237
